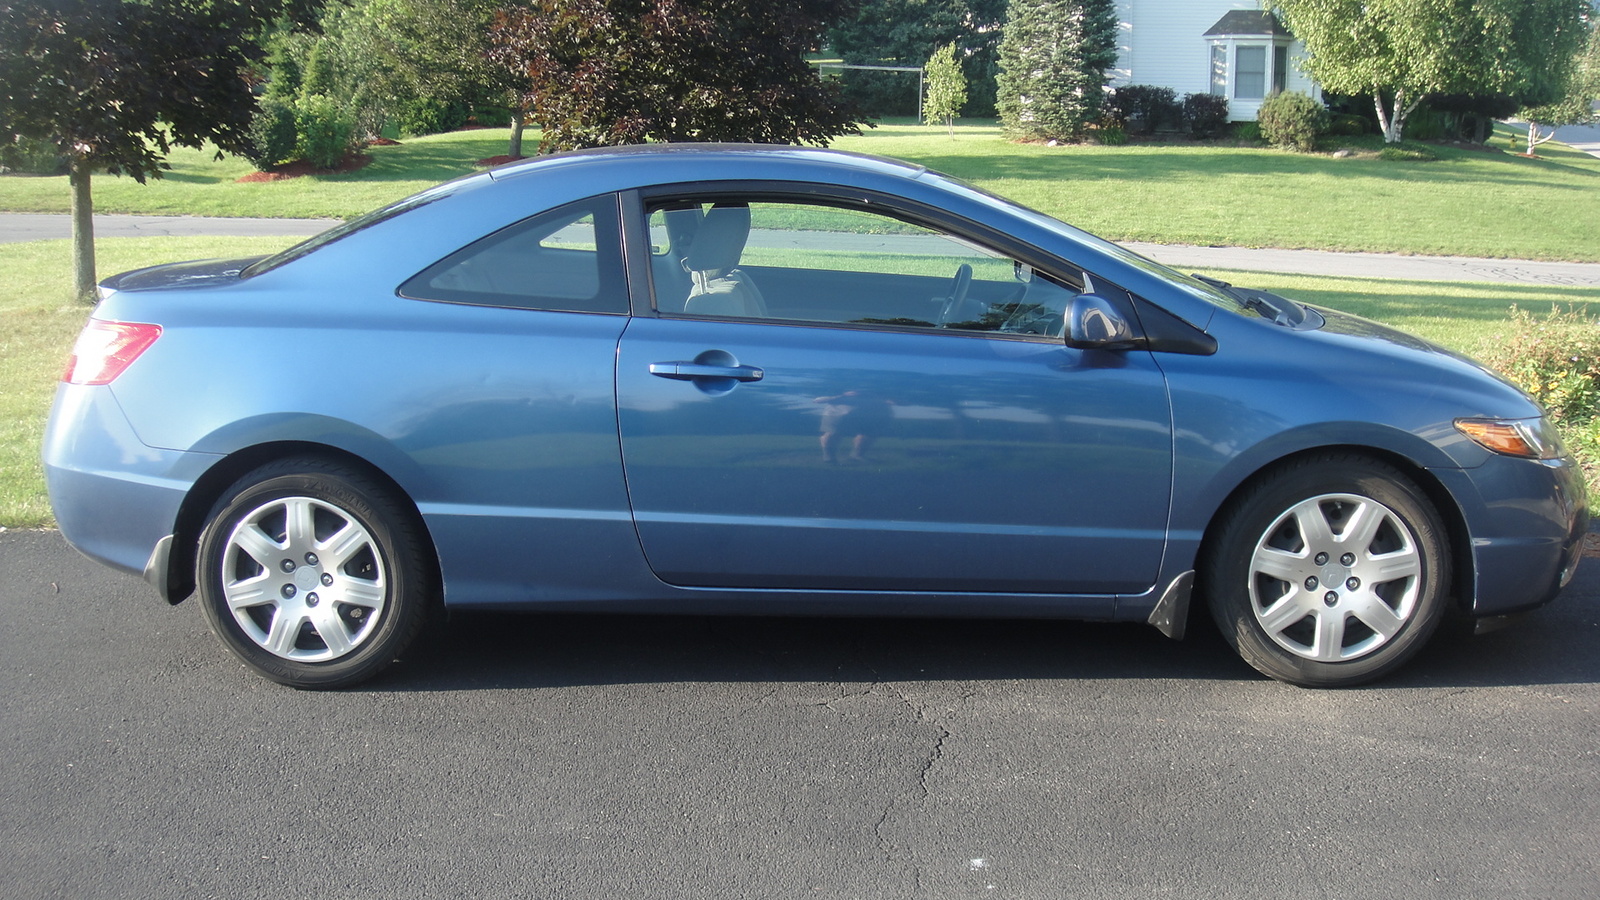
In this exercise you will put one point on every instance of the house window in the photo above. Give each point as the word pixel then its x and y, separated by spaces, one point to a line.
pixel 1250 73
pixel 1249 55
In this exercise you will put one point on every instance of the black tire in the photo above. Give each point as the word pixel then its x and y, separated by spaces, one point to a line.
pixel 1330 572
pixel 314 574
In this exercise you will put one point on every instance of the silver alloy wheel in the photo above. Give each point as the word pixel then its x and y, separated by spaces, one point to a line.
pixel 304 579
pixel 1335 577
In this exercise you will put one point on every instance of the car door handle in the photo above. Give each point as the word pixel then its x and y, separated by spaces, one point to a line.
pixel 687 371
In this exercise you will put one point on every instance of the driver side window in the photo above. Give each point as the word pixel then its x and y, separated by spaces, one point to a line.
pixel 809 262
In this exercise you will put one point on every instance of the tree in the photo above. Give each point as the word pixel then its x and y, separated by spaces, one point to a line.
pixel 605 72
pixel 906 32
pixel 115 84
pixel 947 88
pixel 1576 105
pixel 1053 63
pixel 1400 51
pixel 420 66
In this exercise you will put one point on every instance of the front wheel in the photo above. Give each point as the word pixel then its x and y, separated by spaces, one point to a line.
pixel 1332 572
pixel 313 574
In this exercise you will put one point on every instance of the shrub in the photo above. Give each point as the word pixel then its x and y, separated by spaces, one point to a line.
pixel 33 157
pixel 1111 135
pixel 425 115
pixel 1408 151
pixel 1350 125
pixel 1584 441
pixel 878 93
pixel 1249 132
pixel 326 131
pixel 490 116
pixel 1292 119
pixel 274 135
pixel 1205 114
pixel 1144 108
pixel 1556 359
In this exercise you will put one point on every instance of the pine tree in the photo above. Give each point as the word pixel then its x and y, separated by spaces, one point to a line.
pixel 1053 63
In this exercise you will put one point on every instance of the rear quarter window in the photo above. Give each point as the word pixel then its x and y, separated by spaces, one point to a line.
pixel 568 259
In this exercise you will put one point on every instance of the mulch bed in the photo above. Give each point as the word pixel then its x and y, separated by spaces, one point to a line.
pixel 302 168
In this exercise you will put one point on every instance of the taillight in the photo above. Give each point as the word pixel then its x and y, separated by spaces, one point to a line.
pixel 105 349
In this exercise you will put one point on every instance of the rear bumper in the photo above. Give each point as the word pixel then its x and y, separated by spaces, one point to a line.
pixel 114 498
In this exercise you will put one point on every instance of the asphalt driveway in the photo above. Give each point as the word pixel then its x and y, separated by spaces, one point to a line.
pixel 633 757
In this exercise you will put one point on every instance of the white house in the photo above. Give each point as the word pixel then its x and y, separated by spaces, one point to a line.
pixel 1226 47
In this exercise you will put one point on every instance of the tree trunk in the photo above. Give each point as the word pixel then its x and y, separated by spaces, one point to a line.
pixel 1394 123
pixel 519 120
pixel 82 231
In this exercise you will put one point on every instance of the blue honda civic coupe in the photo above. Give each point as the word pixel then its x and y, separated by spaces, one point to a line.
pixel 737 379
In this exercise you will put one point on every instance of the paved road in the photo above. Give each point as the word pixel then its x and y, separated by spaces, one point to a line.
pixel 714 758
pixel 1580 137
pixel 30 227
pixel 16 227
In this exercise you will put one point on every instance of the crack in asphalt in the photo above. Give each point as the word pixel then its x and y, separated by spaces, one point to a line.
pixel 933 758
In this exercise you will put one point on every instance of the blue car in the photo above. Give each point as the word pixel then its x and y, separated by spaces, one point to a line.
pixel 736 379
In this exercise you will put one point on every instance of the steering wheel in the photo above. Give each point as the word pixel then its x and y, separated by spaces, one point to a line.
pixel 958 293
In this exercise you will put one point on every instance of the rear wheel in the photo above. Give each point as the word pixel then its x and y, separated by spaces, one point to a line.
pixel 314 574
pixel 1331 572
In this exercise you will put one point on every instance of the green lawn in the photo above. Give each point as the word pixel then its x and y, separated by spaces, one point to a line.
pixel 1465 316
pixel 1467 204
pixel 41 322
pixel 200 185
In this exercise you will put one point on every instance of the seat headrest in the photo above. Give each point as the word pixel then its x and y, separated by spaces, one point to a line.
pixel 682 224
pixel 720 239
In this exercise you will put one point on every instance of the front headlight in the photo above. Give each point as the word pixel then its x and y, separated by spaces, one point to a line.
pixel 1527 438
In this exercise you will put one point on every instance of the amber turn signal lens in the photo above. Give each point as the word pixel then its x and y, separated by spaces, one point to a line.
pixel 1510 437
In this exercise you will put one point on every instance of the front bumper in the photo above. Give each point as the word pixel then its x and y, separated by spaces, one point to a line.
pixel 1525 522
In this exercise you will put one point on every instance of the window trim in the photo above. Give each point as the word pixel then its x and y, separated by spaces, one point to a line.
pixel 1274 78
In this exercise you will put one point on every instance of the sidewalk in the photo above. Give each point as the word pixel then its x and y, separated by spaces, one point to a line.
pixel 15 227
pixel 36 227
pixel 1373 265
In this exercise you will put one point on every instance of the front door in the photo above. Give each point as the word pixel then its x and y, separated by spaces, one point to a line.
pixel 869 404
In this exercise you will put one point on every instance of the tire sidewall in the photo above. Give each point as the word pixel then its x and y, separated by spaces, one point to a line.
pixel 1227 571
pixel 364 503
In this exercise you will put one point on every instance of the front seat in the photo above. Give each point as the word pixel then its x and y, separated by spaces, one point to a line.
pixel 719 288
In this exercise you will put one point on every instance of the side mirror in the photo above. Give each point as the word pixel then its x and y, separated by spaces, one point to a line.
pixel 1094 323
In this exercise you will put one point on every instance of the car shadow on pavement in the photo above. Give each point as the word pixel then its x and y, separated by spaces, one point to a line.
pixel 480 650
pixel 1559 644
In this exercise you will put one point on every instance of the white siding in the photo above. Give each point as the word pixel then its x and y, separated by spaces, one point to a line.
pixel 1298 80
pixel 1163 42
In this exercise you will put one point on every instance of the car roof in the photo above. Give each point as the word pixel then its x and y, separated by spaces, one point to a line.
pixel 786 161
